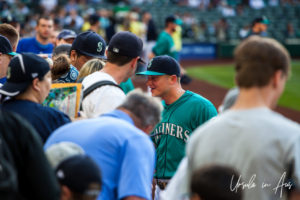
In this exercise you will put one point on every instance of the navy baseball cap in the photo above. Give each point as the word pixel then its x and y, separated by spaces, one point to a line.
pixel 162 65
pixel 126 44
pixel 173 19
pixel 89 43
pixel 78 173
pixel 66 34
pixel 5 46
pixel 22 69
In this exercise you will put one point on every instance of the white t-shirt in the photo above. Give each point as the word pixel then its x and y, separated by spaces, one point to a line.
pixel 103 99
pixel 258 143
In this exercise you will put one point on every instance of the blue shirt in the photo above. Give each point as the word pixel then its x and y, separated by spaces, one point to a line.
pixel 125 154
pixel 69 77
pixel 33 46
pixel 44 119
pixel 2 80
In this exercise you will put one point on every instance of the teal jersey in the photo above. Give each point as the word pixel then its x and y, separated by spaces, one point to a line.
pixel 178 122
pixel 127 86
pixel 164 45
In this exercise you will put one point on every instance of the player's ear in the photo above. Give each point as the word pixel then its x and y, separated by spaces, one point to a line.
pixel 73 55
pixel 134 62
pixel 173 79
pixel 277 78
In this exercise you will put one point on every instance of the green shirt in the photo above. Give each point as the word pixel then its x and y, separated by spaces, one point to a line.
pixel 164 45
pixel 127 86
pixel 178 122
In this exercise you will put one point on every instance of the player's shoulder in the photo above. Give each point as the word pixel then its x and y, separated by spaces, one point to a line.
pixel 27 40
pixel 197 98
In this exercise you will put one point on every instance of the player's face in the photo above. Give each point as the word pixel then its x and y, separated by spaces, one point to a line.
pixel 45 86
pixel 159 85
pixel 81 60
pixel 4 61
pixel 45 28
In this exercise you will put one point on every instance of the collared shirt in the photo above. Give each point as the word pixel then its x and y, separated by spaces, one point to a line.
pixel 124 153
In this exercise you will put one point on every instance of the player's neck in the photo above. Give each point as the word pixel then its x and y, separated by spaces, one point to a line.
pixel 114 71
pixel 42 40
pixel 169 31
pixel 173 95
pixel 253 98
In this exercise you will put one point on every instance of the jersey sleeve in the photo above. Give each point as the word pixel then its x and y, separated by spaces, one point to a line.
pixel 137 168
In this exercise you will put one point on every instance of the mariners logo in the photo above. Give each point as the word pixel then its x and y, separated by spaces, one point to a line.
pixel 150 63
pixel 99 49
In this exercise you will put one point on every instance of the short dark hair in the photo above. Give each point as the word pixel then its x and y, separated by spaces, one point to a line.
pixel 257 59
pixel 62 49
pixel 213 182
pixel 10 33
pixel 43 17
pixel 117 59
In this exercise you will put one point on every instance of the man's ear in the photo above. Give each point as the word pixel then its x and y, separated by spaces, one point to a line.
pixel 36 84
pixel 277 78
pixel 134 62
pixel 73 55
pixel 66 193
pixel 173 79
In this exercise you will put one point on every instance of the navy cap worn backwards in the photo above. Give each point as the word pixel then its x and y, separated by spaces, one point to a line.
pixel 78 173
pixel 89 43
pixel 22 69
pixel 126 44
pixel 162 65
pixel 66 34
pixel 5 46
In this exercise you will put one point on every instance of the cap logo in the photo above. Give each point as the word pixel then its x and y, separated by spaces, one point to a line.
pixel 60 174
pixel 99 49
pixel 150 63
pixel 116 50
pixel 34 75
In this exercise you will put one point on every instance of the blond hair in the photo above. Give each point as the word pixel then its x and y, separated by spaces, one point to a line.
pixel 90 67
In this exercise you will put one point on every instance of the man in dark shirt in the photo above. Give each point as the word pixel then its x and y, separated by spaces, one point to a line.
pixel 30 175
pixel 28 84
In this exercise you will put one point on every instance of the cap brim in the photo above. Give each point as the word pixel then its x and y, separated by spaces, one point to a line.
pixel 12 53
pixel 150 73
pixel 92 55
pixel 69 37
pixel 13 89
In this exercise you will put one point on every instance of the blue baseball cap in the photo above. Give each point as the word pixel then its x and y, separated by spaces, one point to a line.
pixel 89 43
pixel 5 46
pixel 126 44
pixel 66 34
pixel 162 65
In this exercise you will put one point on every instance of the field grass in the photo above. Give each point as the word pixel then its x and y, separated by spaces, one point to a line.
pixel 223 76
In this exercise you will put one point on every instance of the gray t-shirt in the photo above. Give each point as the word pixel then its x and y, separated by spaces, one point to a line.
pixel 263 146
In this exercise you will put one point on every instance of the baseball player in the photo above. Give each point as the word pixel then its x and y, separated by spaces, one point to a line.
pixel 183 112
pixel 261 145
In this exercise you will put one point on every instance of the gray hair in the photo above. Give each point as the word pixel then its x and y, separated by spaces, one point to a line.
pixel 143 106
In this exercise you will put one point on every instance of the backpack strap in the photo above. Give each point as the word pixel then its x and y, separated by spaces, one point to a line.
pixel 96 85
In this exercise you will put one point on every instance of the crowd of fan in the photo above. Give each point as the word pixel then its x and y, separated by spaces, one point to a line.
pixel 126 15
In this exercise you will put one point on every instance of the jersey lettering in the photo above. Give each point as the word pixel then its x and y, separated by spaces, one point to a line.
pixel 172 130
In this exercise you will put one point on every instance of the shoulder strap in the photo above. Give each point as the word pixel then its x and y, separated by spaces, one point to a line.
pixel 96 85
